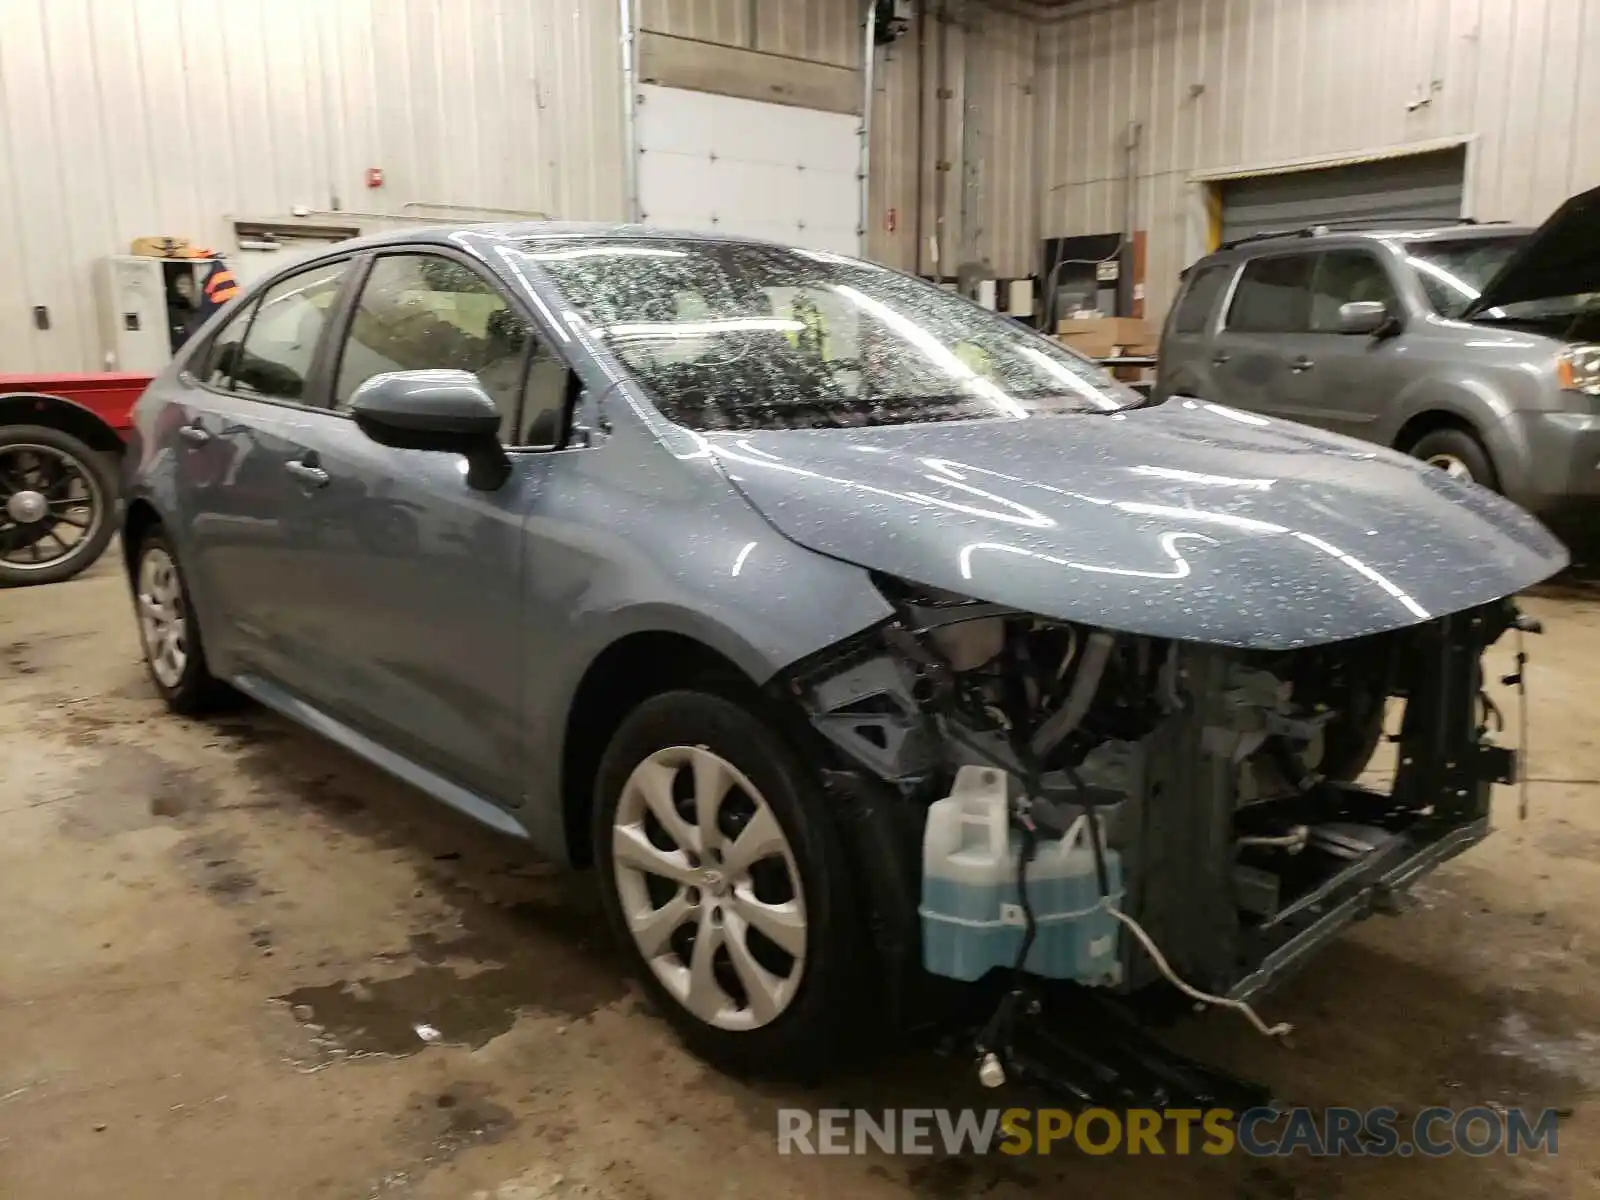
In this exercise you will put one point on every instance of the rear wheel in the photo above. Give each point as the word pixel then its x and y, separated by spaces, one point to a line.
pixel 168 632
pixel 1457 453
pixel 723 879
pixel 56 497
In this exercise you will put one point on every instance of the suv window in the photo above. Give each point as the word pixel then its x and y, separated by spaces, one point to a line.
pixel 1342 277
pixel 215 366
pixel 282 341
pixel 1194 310
pixel 1273 296
pixel 425 312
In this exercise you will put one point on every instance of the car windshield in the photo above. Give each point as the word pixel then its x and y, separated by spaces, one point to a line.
pixel 1454 273
pixel 740 336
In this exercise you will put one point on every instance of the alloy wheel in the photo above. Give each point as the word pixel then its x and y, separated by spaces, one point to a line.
pixel 51 506
pixel 709 888
pixel 163 623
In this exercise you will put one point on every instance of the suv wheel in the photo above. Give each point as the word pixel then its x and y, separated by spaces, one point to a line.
pixel 724 881
pixel 1456 452
pixel 168 632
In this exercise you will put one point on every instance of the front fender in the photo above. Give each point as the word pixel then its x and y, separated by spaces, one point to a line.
pixel 1482 407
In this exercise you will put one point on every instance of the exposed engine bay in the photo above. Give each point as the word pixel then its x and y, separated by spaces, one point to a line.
pixel 1223 780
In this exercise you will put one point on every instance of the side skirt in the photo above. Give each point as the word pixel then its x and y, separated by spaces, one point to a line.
pixel 441 789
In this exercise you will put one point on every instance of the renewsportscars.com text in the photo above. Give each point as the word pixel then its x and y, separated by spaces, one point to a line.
pixel 1260 1132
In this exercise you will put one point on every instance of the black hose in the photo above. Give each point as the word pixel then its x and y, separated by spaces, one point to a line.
pixel 1030 849
pixel 1102 877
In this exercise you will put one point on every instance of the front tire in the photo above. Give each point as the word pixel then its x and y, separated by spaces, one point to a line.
pixel 57 497
pixel 1457 453
pixel 169 634
pixel 723 879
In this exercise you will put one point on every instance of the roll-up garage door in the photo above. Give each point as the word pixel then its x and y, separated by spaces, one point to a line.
pixel 1411 190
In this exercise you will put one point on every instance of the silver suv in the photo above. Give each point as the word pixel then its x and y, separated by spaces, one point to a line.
pixel 1474 347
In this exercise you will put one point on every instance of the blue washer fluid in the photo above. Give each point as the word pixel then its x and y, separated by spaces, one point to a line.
pixel 971 919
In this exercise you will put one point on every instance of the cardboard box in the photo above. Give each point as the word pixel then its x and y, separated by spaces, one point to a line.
pixel 1105 337
pixel 161 247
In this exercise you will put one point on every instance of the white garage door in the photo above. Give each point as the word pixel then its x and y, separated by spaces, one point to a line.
pixel 724 165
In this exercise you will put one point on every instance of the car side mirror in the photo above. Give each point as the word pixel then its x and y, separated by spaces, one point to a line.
pixel 447 411
pixel 1366 317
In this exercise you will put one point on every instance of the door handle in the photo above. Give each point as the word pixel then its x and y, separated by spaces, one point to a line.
pixel 1220 360
pixel 194 434
pixel 306 473
pixel 1301 364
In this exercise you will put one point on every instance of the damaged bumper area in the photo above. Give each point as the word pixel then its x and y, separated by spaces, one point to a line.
pixel 1184 815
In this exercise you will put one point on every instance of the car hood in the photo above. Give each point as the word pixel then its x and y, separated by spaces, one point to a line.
pixel 1560 258
pixel 1188 520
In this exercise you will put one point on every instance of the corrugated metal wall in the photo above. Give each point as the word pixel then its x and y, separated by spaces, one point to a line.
pixel 130 117
pixel 990 212
pixel 818 30
pixel 124 118
pixel 1219 84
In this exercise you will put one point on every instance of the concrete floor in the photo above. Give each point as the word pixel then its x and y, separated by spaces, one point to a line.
pixel 218 938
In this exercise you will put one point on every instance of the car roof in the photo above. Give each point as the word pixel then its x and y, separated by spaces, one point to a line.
pixel 1319 234
pixel 522 231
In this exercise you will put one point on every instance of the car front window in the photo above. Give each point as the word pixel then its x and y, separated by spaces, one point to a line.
pixel 738 336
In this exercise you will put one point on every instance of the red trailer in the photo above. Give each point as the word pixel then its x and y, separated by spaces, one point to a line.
pixel 60 440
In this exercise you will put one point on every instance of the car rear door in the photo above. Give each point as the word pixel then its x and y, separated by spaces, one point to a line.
pixel 1261 344
pixel 1185 360
pixel 238 484
pixel 420 612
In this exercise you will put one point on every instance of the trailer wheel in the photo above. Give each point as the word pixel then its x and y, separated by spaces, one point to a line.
pixel 56 501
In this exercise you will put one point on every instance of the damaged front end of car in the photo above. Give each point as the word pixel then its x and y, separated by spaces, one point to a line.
pixel 1053 823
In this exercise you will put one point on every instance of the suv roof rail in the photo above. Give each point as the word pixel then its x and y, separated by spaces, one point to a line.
pixel 1353 225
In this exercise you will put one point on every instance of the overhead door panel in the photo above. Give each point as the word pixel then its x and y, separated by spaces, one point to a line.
pixel 722 164
pixel 1410 190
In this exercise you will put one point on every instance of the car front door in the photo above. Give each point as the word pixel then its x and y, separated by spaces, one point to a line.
pixel 242 487
pixel 1261 345
pixel 1348 381
pixel 420 611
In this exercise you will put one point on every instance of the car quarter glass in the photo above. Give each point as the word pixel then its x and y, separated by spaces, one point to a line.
pixel 1200 297
pixel 736 336
pixel 428 312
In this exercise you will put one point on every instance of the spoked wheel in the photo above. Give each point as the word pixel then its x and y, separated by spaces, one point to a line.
pixel 55 505
pixel 709 887
pixel 724 880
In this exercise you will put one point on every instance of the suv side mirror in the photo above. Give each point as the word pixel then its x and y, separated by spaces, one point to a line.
pixel 1370 317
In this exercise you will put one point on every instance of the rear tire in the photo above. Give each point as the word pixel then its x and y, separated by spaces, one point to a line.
pixel 169 634
pixel 1457 453
pixel 781 989
pixel 57 502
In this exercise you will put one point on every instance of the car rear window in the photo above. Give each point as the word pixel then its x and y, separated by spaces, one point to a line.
pixel 1200 297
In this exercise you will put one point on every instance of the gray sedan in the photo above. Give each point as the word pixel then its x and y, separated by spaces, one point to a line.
pixel 728 568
